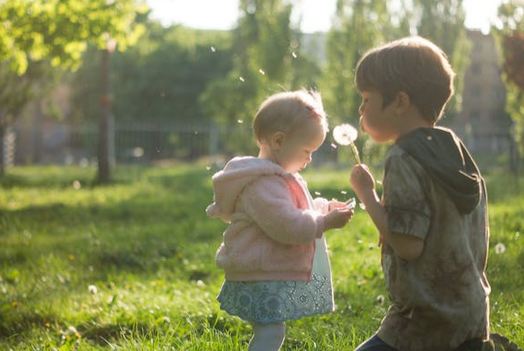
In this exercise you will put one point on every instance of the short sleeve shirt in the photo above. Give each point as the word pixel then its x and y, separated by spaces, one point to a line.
pixel 440 299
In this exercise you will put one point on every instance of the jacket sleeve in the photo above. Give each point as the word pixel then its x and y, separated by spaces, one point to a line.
pixel 269 203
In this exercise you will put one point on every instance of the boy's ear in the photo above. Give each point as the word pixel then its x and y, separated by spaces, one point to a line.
pixel 276 140
pixel 402 102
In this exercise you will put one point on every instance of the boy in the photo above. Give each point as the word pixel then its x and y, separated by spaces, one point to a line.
pixel 432 218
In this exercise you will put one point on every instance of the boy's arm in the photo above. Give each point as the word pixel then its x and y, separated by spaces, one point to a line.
pixel 408 247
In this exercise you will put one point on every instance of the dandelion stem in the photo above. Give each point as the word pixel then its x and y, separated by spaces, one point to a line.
pixel 355 152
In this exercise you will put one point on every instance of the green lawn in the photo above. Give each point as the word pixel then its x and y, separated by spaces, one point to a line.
pixel 131 266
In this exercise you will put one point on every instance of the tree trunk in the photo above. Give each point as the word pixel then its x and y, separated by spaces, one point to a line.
pixel 105 127
pixel 36 135
pixel 2 149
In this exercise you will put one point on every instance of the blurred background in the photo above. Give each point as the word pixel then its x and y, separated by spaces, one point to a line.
pixel 109 82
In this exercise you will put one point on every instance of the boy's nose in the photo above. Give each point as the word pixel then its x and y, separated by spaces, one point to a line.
pixel 361 124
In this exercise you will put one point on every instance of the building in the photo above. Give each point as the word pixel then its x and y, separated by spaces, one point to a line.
pixel 483 123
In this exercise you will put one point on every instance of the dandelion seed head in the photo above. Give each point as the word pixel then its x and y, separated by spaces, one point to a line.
pixel 500 248
pixel 345 134
pixel 138 152
pixel 92 289
pixel 380 299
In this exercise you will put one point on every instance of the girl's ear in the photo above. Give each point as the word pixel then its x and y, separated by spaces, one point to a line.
pixel 277 139
pixel 402 102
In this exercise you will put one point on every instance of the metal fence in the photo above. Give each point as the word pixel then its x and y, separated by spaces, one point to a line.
pixel 58 143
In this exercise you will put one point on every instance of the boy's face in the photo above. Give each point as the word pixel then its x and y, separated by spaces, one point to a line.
pixel 377 121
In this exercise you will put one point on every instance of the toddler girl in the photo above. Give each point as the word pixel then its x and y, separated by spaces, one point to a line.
pixel 274 253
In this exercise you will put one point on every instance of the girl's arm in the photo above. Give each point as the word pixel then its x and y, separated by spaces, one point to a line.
pixel 268 202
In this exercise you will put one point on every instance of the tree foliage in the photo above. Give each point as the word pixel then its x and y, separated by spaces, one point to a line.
pixel 359 25
pixel 158 80
pixel 262 64
pixel 58 30
pixel 443 23
pixel 39 34
pixel 511 35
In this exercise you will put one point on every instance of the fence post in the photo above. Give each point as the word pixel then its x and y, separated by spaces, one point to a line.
pixel 213 139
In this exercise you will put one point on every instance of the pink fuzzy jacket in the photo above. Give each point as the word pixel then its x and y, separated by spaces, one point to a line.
pixel 272 223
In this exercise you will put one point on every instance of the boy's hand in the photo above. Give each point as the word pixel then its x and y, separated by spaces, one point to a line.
pixel 338 217
pixel 362 181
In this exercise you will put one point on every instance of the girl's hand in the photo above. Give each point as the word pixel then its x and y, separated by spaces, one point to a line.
pixel 338 218
pixel 362 180
pixel 333 204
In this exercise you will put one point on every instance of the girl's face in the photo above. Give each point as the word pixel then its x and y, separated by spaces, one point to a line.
pixel 294 151
pixel 377 121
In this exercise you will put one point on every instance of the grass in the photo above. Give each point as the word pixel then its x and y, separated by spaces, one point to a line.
pixel 130 266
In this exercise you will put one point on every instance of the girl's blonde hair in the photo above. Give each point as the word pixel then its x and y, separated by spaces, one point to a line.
pixel 287 112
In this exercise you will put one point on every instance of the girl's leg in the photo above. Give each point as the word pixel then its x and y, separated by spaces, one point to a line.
pixel 374 344
pixel 267 337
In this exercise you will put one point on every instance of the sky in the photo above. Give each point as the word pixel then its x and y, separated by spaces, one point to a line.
pixel 315 14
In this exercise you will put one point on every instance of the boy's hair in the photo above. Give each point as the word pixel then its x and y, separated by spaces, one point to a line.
pixel 412 65
pixel 287 111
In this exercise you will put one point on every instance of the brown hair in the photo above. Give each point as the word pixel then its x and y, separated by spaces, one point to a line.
pixel 413 65
pixel 287 111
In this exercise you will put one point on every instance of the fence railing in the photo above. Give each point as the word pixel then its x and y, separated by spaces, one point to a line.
pixel 60 143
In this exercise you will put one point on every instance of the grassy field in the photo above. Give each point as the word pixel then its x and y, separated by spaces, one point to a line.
pixel 131 266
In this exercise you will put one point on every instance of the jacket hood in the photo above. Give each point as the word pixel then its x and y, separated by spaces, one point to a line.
pixel 231 181
pixel 446 159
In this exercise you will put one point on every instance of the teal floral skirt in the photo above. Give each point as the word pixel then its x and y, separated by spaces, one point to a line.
pixel 277 301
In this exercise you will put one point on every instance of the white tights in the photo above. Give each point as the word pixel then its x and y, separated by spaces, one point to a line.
pixel 267 337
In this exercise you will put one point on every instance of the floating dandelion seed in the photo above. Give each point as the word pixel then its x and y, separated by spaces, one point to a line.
pixel 500 248
pixel 77 185
pixel 343 192
pixel 239 121
pixel 261 71
pixel 351 203
pixel 213 49
pixel 208 168
pixel 241 79
pixel 317 193
pixel 346 134
pixel 333 145
pixel 294 54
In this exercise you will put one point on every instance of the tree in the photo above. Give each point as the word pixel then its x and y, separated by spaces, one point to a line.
pixel 443 23
pixel 262 49
pixel 511 37
pixel 56 32
pixel 359 25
